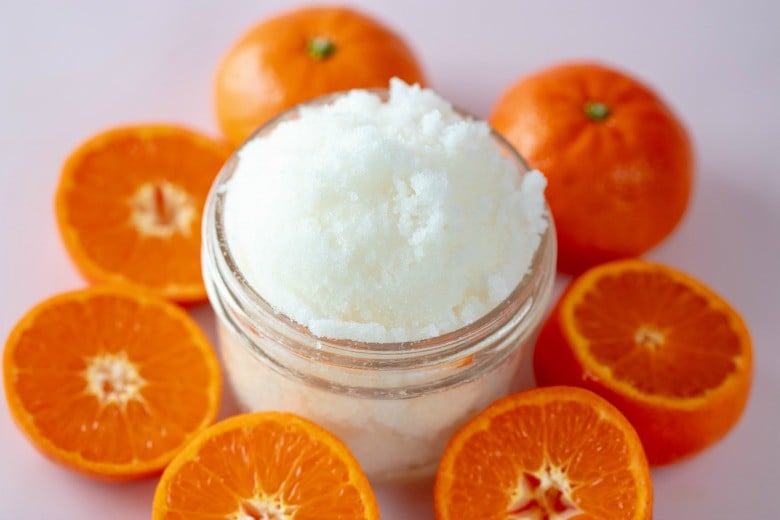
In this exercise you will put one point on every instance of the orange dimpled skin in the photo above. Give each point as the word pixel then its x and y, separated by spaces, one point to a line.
pixel 265 465
pixel 619 163
pixel 110 382
pixel 129 206
pixel 302 54
pixel 547 453
pixel 667 351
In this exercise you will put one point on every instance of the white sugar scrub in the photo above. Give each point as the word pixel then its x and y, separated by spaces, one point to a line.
pixel 380 263
pixel 382 221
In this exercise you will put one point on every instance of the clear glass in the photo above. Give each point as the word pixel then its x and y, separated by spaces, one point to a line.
pixel 394 404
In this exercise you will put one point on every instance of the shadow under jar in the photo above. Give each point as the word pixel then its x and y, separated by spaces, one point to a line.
pixel 394 404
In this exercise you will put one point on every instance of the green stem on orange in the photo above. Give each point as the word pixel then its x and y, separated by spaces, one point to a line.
pixel 596 111
pixel 320 48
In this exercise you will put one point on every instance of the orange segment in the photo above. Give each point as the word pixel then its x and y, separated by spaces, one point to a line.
pixel 557 452
pixel 110 382
pixel 667 351
pixel 266 465
pixel 129 207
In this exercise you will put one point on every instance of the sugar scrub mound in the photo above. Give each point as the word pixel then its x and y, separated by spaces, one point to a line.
pixel 382 221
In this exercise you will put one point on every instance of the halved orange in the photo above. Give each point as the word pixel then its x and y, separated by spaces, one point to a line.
pixel 546 453
pixel 129 206
pixel 265 465
pixel 667 351
pixel 110 382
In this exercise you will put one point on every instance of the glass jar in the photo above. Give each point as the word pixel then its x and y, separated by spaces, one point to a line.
pixel 394 404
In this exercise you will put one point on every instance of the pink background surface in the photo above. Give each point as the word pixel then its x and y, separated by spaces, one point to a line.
pixel 69 69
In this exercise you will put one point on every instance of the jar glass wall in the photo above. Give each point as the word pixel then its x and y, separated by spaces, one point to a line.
pixel 394 404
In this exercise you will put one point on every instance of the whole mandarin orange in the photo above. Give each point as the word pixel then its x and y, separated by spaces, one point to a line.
pixel 618 161
pixel 302 54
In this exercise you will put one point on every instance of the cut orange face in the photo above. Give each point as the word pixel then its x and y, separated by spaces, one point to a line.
pixel 129 207
pixel 110 382
pixel 671 354
pixel 266 465
pixel 548 453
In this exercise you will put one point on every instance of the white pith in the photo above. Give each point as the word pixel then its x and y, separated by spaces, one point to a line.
pixel 649 337
pixel 264 508
pixel 162 209
pixel 527 502
pixel 113 379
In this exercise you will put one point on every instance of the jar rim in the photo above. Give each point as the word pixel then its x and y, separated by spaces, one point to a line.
pixel 452 344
